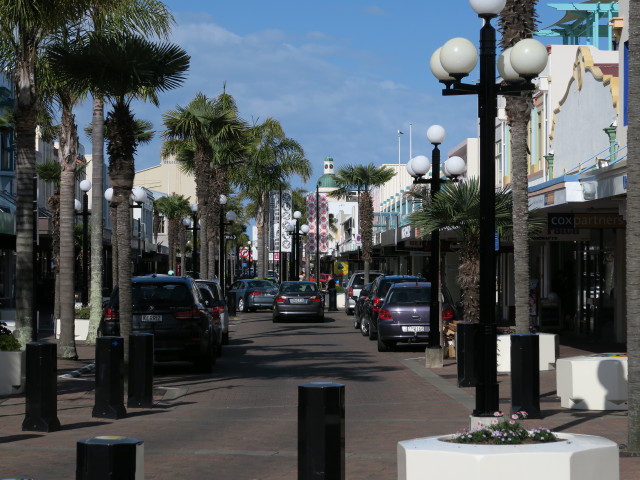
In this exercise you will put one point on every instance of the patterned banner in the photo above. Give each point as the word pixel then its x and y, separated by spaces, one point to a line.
pixel 324 223
pixel 279 218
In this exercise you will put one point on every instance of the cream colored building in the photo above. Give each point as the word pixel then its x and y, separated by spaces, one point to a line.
pixel 168 179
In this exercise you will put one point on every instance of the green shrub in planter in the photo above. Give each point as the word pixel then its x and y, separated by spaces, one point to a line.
pixel 83 312
pixel 8 343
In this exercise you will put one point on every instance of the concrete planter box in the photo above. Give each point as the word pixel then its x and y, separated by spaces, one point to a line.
pixel 593 382
pixel 340 299
pixel 549 351
pixel 81 326
pixel 578 457
pixel 12 372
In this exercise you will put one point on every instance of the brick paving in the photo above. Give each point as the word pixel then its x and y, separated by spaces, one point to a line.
pixel 240 422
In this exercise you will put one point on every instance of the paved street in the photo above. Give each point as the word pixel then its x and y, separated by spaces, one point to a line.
pixel 240 423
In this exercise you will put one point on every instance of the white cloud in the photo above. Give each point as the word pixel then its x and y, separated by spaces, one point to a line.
pixel 325 94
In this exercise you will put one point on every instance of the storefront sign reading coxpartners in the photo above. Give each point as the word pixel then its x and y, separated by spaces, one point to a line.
pixel 567 223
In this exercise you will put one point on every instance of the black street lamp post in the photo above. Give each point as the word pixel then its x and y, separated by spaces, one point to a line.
pixel 191 224
pixel 85 186
pixel 296 231
pixel 230 217
pixel 519 64
pixel 417 168
pixel 139 196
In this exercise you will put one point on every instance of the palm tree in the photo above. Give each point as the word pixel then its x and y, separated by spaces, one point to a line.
pixel 24 26
pixel 200 136
pixel 457 207
pixel 272 160
pixel 517 22
pixel 66 95
pixel 174 208
pixel 146 18
pixel 633 230
pixel 122 68
pixel 362 178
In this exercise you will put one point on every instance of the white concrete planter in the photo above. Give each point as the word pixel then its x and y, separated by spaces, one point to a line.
pixel 81 326
pixel 12 372
pixel 340 297
pixel 549 351
pixel 593 382
pixel 579 457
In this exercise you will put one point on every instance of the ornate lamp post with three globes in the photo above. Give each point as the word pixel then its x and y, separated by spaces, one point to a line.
pixel 517 66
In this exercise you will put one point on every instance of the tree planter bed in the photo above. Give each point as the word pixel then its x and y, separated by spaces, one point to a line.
pixel 576 457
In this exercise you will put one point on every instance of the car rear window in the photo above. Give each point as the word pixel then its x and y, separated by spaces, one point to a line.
pixel 385 286
pixel 411 295
pixel 213 287
pixel 161 295
pixel 298 287
pixel 260 284
pixel 358 279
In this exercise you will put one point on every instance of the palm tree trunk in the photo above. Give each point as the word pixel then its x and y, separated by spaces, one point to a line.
pixel 66 344
pixel 633 230
pixel 172 243
pixel 97 182
pixel 25 120
pixel 114 243
pixel 54 208
pixel 517 108
pixel 124 264
pixel 365 213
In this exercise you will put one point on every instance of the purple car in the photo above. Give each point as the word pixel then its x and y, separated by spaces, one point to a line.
pixel 404 315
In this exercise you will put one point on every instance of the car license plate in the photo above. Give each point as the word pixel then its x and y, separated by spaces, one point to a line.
pixel 298 300
pixel 151 318
pixel 413 328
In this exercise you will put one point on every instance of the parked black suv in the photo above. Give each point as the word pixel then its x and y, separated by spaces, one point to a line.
pixel 173 310
pixel 379 288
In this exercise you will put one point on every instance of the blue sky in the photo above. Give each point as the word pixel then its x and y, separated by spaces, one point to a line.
pixel 342 76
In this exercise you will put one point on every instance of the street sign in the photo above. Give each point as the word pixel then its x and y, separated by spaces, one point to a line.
pixel 244 252
pixel 230 237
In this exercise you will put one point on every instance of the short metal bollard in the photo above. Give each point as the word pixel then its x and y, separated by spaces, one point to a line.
pixel 110 458
pixel 321 438
pixel 231 303
pixel 140 385
pixel 525 375
pixel 41 392
pixel 109 398
pixel 466 333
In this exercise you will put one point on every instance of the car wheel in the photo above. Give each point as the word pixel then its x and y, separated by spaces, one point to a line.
pixel 205 363
pixel 242 306
pixel 253 309
pixel 372 335
pixel 356 323
pixel 349 311
pixel 225 338
pixel 276 319
pixel 364 327
pixel 385 346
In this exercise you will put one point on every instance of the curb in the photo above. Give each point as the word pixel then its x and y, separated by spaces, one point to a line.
pixel 77 373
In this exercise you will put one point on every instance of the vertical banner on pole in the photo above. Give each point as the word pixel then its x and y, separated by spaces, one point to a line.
pixel 311 222
pixel 274 220
pixel 324 224
pixel 286 218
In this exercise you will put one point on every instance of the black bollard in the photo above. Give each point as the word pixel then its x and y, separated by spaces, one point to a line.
pixel 466 333
pixel 41 390
pixel 321 437
pixel 333 301
pixel 110 458
pixel 525 375
pixel 140 370
pixel 109 401
pixel 231 303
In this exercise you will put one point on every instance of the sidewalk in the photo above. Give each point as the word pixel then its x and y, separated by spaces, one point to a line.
pixel 441 382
